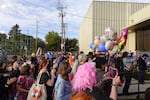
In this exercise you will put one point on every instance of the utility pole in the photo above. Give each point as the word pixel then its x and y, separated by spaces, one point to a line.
pixel 62 15
pixel 36 40
pixel 65 31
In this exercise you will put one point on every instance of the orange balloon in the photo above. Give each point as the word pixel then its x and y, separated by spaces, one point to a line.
pixel 96 42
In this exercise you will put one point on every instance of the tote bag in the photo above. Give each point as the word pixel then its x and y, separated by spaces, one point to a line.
pixel 37 91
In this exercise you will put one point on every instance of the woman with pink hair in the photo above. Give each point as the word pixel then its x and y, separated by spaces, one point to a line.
pixel 84 78
pixel 85 81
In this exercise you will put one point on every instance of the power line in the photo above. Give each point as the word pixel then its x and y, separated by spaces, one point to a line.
pixel 98 19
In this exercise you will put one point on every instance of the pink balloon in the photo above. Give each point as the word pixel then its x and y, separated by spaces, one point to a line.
pixel 125 32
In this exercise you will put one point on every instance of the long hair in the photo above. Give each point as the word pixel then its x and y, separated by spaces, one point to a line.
pixel 81 96
pixel 85 78
pixel 43 63
pixel 26 69
pixel 125 54
pixel 63 70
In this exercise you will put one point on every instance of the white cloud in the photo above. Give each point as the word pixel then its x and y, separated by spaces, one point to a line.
pixel 26 12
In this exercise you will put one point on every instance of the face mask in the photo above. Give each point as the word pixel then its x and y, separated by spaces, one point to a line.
pixel 9 68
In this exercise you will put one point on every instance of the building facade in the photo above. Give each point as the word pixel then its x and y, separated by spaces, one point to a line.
pixel 103 14
pixel 139 34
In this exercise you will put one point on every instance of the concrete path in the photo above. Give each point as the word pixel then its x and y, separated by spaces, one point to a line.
pixel 134 89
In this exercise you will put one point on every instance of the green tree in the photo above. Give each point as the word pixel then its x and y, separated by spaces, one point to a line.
pixel 15 39
pixel 19 42
pixel 53 41
pixel 41 43
pixel 71 44
pixel 3 36
pixel 3 39
pixel 14 33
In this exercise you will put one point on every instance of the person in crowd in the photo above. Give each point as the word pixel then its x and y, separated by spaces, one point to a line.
pixel 90 57
pixel 142 67
pixel 23 58
pixel 24 82
pixel 119 64
pixel 71 59
pixel 63 85
pixel 147 94
pixel 128 62
pixel 15 72
pixel 82 58
pixel 15 66
pixel 47 78
pixel 12 89
pixel 81 96
pixel 81 52
pixel 101 75
pixel 100 67
pixel 5 84
pixel 34 61
pixel 85 81
pixel 15 63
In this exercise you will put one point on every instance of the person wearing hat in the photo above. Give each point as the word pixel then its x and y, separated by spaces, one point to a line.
pixel 142 67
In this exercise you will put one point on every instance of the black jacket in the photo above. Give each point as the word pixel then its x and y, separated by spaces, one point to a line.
pixel 3 89
pixel 141 64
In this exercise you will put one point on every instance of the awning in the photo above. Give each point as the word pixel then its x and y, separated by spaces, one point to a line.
pixel 140 25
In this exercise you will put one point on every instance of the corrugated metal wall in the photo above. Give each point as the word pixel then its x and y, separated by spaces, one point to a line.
pixel 103 14
pixel 114 14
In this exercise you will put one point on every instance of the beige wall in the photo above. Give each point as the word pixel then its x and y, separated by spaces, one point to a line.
pixel 130 45
pixel 114 14
pixel 136 18
pixel 86 31
pixel 140 16
pixel 103 14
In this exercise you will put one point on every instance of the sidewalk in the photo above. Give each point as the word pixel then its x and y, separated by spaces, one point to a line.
pixel 133 90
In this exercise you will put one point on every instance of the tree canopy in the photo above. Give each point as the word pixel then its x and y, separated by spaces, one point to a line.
pixel 53 41
pixel 19 43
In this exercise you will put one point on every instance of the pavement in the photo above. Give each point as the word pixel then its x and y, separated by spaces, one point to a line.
pixel 133 90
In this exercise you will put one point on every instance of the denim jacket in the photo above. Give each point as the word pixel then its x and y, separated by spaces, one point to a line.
pixel 62 89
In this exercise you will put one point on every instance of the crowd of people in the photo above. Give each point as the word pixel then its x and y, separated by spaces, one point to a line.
pixel 70 77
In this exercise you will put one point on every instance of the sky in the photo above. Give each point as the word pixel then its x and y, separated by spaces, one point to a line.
pixel 26 13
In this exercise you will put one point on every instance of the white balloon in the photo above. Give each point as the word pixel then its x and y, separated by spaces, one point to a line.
pixel 97 37
pixel 111 32
pixel 109 45
pixel 104 38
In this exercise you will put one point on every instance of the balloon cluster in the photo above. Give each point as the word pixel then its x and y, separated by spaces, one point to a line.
pixel 109 41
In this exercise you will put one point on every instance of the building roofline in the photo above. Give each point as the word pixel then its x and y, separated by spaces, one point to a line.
pixel 121 2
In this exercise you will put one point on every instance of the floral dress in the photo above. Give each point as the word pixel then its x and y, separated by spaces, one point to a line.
pixel 25 83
